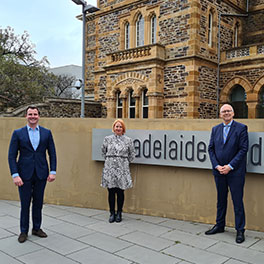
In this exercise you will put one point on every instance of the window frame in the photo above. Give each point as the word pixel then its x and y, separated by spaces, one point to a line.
pixel 143 96
pixel 119 104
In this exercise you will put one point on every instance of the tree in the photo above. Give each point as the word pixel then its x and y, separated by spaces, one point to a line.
pixel 63 86
pixel 23 79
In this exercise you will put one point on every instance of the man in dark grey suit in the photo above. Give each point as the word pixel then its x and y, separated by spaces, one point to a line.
pixel 31 171
pixel 228 152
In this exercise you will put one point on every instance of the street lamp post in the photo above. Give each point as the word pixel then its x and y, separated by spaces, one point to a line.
pixel 89 9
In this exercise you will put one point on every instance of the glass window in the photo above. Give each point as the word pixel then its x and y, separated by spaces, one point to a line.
pixel 140 31
pixel 144 103
pixel 210 29
pixel 153 29
pixel 119 105
pixel 132 105
pixel 127 40
pixel 238 101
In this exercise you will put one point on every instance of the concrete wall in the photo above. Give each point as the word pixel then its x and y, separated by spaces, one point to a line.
pixel 181 193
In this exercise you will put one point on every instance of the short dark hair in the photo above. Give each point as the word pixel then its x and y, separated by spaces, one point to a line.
pixel 32 107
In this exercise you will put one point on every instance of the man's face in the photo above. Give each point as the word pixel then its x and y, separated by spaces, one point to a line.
pixel 226 113
pixel 32 117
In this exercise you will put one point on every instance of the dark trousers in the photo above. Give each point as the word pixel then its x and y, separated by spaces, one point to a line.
pixel 236 186
pixel 32 189
pixel 112 193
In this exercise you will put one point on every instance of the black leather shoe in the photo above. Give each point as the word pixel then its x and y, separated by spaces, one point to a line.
pixel 240 237
pixel 112 218
pixel 214 230
pixel 119 217
pixel 39 233
pixel 22 237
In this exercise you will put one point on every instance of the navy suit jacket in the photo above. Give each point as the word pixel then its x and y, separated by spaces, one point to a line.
pixel 31 160
pixel 233 151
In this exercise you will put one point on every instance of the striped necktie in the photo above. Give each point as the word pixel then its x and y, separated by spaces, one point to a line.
pixel 226 130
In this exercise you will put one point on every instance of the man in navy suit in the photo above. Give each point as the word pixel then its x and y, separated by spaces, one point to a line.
pixel 30 171
pixel 228 153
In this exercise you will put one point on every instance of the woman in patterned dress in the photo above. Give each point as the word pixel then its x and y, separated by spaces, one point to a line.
pixel 118 151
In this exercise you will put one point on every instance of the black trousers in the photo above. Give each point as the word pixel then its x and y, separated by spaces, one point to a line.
pixel 112 193
pixel 31 190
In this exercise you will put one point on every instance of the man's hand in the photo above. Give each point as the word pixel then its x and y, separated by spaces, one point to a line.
pixel 226 169
pixel 18 181
pixel 223 169
pixel 51 177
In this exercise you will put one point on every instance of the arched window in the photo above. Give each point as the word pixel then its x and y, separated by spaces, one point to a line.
pixel 238 101
pixel 210 29
pixel 140 31
pixel 127 39
pixel 260 106
pixel 119 105
pixel 144 103
pixel 132 105
pixel 153 29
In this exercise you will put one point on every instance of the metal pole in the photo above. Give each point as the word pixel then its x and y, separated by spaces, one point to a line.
pixel 218 66
pixel 83 65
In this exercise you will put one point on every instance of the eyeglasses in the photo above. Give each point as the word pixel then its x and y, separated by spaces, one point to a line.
pixel 226 111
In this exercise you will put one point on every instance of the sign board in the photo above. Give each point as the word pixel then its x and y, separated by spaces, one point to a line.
pixel 178 148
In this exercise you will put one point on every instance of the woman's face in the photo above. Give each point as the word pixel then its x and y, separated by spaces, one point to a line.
pixel 118 129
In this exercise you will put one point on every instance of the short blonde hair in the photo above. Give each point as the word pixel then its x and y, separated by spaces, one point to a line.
pixel 121 122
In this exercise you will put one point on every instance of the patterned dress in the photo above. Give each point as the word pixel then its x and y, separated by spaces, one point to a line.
pixel 118 152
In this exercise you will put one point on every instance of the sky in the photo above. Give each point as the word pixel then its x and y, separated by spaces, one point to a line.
pixel 52 25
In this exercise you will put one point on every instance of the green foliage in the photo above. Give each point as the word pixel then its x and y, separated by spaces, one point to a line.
pixel 23 79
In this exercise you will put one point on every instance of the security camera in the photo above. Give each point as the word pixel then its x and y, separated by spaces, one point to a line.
pixel 78 84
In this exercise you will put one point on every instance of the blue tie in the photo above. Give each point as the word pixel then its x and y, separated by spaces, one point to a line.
pixel 226 130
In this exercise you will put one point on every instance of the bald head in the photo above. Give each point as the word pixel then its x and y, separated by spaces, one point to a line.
pixel 227 113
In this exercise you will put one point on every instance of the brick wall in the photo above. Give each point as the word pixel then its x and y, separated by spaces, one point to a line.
pixel 60 108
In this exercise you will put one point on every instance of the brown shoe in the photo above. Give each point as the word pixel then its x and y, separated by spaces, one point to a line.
pixel 22 237
pixel 39 233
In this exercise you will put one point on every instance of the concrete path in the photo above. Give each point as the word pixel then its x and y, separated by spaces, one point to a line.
pixel 80 235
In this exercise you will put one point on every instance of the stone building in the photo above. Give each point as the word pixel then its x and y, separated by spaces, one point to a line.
pixel 176 58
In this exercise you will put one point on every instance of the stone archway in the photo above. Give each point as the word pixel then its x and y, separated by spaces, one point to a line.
pixel 245 84
pixel 257 90
pixel 125 83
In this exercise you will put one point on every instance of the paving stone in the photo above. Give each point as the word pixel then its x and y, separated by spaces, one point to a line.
pixel 95 256
pixel 83 235
pixel 259 245
pixel 155 230
pixel 60 244
pixel 53 211
pixel 78 219
pixel 71 230
pixel 195 255
pixel 105 242
pixel 45 256
pixel 5 233
pixel 189 239
pixel 7 259
pixel 146 240
pixel 7 221
pixel 229 236
pixel 238 253
pixel 146 256
pixel 233 261
pixel 146 218
pixel 13 248
pixel 86 211
pixel 113 229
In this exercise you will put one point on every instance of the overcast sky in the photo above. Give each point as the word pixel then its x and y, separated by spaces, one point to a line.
pixel 51 24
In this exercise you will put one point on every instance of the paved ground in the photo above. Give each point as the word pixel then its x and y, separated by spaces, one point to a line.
pixel 79 235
